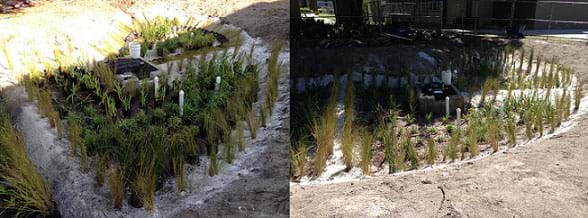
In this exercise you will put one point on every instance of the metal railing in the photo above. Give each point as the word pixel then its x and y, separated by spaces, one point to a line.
pixel 568 19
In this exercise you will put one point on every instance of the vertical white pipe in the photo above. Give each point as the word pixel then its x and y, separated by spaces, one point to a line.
pixel 181 102
pixel 458 112
pixel 217 84
pixel 447 106
pixel 156 85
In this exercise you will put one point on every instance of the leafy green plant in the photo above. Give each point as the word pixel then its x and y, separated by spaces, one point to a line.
pixel 410 119
pixel 428 118
pixel 73 93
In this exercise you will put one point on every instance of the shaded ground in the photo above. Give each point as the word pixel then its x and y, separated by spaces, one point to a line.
pixel 546 178
pixel 268 19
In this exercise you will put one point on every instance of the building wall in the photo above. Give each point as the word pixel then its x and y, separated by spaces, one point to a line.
pixel 568 12
pixel 456 10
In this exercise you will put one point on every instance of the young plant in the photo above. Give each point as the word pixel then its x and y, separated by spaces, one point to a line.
pixel 511 130
pixel 493 133
pixel 347 143
pixel 366 151
pixel 451 149
pixel 578 94
pixel 324 140
pixel 74 133
pixel 428 118
pixel 431 151
pixel 252 124
pixel 240 135
pixel 101 165
pixel 472 138
pixel 412 99
pixel 411 151
pixel 23 189
pixel 528 119
pixel 116 181
pixel 331 114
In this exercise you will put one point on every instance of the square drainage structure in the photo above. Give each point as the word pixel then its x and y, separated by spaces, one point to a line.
pixel 131 69
pixel 431 98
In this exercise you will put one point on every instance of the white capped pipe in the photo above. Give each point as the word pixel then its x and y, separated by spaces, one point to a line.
pixel 446 77
pixel 181 102
pixel 217 84
pixel 156 85
pixel 447 106
pixel 135 50
pixel 458 112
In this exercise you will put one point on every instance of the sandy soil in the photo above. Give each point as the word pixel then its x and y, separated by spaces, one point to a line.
pixel 260 18
pixel 545 178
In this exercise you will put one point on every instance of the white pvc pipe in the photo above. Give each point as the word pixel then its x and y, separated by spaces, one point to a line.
pixel 135 50
pixel 458 112
pixel 217 84
pixel 181 102
pixel 447 106
pixel 156 85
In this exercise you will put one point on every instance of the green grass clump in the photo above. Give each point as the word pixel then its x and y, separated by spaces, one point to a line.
pixel 528 119
pixel 366 139
pixel 150 164
pixel 539 111
pixel 347 143
pixel 23 189
pixel 493 133
pixel 431 151
pixel 152 30
pixel 578 94
pixel 298 158
pixel 116 181
pixel 390 140
pixel 273 72
pixel 105 76
pixel 472 137
pixel 252 124
pixel 511 130
pixel 451 150
pixel 411 152
pixel 74 133
pixel 323 140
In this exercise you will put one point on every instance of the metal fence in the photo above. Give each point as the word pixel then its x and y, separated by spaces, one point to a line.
pixel 567 19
